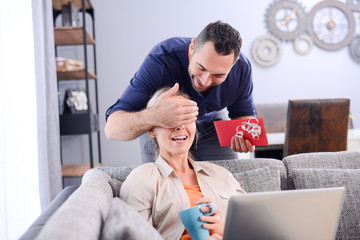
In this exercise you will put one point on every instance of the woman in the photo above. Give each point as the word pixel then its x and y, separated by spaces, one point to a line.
pixel 159 190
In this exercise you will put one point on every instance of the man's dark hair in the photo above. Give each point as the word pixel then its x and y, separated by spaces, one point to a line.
pixel 226 39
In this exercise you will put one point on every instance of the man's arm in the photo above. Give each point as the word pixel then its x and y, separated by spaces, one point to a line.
pixel 167 112
pixel 122 125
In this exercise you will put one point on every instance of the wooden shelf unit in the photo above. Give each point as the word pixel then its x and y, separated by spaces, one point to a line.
pixel 74 75
pixel 82 123
pixel 76 170
pixel 71 36
pixel 58 3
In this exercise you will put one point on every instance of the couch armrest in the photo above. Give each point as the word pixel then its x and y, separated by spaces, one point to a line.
pixel 36 227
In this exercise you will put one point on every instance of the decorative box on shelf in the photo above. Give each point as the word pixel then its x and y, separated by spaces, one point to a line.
pixel 84 123
pixel 63 64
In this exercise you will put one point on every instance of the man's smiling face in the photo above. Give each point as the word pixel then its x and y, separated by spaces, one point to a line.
pixel 207 68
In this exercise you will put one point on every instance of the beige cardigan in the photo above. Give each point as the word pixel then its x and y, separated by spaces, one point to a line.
pixel 157 193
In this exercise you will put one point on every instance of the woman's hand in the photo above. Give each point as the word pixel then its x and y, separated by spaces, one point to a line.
pixel 213 223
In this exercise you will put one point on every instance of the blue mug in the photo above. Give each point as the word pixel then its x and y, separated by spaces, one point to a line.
pixel 191 219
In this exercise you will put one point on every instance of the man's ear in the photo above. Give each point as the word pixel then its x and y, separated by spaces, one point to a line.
pixel 191 47
pixel 152 133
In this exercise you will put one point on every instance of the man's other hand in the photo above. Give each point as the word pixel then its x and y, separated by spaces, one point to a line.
pixel 239 144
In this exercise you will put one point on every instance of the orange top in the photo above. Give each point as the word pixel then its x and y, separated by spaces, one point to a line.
pixel 194 193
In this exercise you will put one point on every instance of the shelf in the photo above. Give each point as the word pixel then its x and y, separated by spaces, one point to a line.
pixel 72 75
pixel 71 36
pixel 58 3
pixel 85 123
pixel 79 123
pixel 76 170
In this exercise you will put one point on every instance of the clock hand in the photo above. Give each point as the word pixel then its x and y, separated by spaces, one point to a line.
pixel 331 35
pixel 331 27
pixel 288 17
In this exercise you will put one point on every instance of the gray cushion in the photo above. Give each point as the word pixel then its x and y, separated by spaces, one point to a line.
pixel 119 173
pixel 123 222
pixel 82 215
pixel 328 160
pixel 323 160
pixel 244 165
pixel 349 225
pixel 259 180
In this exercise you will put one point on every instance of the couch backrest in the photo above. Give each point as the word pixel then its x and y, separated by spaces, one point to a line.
pixel 328 160
pixel 322 160
pixel 268 169
pixel 119 173
pixel 249 165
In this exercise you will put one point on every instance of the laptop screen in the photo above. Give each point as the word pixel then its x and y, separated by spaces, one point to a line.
pixel 283 215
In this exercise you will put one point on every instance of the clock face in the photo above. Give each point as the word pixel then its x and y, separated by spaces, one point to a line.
pixel 285 19
pixel 331 25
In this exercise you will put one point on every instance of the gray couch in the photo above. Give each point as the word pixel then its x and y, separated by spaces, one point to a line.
pixel 94 210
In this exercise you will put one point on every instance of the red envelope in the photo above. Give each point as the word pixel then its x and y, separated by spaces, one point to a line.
pixel 252 129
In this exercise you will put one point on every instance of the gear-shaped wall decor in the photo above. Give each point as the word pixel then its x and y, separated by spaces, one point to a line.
pixel 266 50
pixel 354 5
pixel 355 49
pixel 330 25
pixel 285 19
pixel 300 42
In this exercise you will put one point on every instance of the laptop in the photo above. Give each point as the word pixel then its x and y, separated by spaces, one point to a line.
pixel 285 215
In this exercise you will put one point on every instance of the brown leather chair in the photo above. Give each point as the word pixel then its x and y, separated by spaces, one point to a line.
pixel 316 125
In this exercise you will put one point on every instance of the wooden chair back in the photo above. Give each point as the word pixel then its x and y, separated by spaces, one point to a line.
pixel 316 125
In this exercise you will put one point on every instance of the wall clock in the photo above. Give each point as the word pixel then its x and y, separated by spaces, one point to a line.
pixel 285 19
pixel 331 25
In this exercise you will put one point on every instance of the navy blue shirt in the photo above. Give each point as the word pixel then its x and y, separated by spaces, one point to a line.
pixel 167 63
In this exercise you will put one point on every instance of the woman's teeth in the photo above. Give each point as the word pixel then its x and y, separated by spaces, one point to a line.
pixel 179 138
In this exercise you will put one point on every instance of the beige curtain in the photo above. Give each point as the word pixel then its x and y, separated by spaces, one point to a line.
pixel 30 168
pixel 47 102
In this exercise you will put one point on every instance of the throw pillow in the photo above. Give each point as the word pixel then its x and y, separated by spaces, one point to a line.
pixel 124 222
pixel 349 224
pixel 259 180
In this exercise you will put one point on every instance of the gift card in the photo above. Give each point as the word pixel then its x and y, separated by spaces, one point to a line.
pixel 252 129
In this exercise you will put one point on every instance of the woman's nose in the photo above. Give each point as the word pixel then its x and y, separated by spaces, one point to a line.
pixel 179 128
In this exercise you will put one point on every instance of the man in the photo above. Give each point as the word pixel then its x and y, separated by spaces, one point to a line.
pixel 211 70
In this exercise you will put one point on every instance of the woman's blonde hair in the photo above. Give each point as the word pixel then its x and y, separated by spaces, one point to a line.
pixel 153 100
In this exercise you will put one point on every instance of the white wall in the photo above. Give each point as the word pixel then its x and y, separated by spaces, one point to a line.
pixel 126 31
